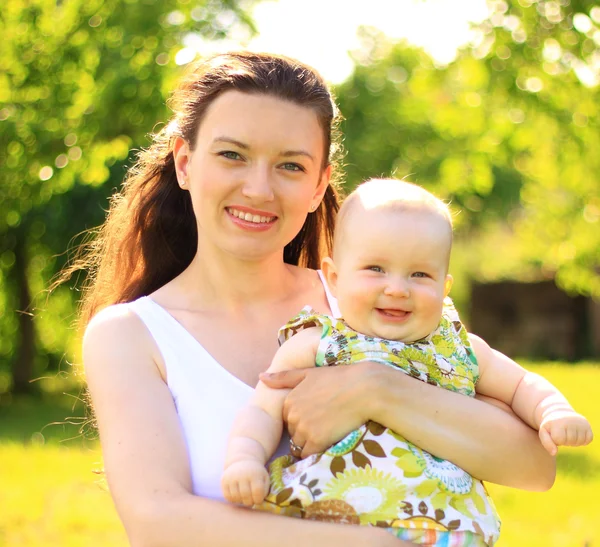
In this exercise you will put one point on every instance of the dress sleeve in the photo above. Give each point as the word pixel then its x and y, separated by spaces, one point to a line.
pixel 451 328
pixel 309 318
pixel 305 319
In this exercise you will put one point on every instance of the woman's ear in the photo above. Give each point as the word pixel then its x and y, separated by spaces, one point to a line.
pixel 330 273
pixel 448 285
pixel 181 157
pixel 321 188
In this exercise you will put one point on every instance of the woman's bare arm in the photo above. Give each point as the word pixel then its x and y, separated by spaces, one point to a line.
pixel 146 460
pixel 489 442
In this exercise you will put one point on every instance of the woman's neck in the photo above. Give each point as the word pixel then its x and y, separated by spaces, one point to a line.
pixel 220 280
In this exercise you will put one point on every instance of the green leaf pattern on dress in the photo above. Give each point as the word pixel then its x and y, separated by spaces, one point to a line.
pixel 375 476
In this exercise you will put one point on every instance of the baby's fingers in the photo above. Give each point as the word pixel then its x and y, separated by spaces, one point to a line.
pixel 226 483
pixel 584 436
pixel 246 493
pixel 234 492
pixel 575 435
pixel 559 434
pixel 260 489
pixel 547 442
pixel 589 436
pixel 226 492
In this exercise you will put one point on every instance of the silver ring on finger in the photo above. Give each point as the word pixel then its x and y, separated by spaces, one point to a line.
pixel 295 450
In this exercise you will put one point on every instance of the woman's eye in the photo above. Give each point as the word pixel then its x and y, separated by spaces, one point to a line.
pixel 292 167
pixel 230 155
pixel 377 269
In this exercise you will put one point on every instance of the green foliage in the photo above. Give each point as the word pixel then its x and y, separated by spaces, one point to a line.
pixel 508 132
pixel 81 83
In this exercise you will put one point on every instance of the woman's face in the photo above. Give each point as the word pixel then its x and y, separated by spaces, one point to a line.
pixel 254 174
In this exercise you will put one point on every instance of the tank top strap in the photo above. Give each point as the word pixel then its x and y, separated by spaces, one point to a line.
pixel 172 339
pixel 331 300
pixel 150 316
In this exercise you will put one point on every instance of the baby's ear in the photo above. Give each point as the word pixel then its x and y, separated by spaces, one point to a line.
pixel 330 273
pixel 448 285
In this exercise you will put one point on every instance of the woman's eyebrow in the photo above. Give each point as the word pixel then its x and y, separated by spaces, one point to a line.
pixel 289 153
pixel 229 140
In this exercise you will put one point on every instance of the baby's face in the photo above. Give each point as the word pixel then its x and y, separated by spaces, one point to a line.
pixel 390 272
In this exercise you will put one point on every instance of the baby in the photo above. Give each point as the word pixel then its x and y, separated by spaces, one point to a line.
pixel 389 273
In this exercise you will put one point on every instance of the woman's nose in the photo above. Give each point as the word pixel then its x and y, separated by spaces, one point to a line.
pixel 257 184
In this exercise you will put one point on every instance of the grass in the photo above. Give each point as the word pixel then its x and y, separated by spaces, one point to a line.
pixel 51 495
pixel 568 515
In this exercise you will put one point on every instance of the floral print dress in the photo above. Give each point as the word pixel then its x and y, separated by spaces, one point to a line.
pixel 375 476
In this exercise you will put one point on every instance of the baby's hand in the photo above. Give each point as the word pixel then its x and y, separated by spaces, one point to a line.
pixel 564 428
pixel 245 481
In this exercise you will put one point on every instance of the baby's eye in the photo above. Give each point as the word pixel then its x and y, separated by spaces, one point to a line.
pixel 420 274
pixel 292 167
pixel 230 155
pixel 377 269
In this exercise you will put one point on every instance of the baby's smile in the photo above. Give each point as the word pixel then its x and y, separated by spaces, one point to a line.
pixel 394 314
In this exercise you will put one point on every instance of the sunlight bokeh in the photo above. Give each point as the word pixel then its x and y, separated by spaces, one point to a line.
pixel 322 33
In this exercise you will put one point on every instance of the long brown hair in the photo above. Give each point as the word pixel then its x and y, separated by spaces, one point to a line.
pixel 150 233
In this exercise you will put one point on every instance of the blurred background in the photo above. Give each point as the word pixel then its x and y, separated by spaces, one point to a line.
pixel 491 105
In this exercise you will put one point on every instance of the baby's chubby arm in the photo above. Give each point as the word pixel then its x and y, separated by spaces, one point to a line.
pixel 257 428
pixel 535 400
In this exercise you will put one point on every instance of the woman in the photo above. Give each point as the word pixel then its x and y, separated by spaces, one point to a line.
pixel 222 223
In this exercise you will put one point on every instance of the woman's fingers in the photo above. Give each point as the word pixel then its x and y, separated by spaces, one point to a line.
pixel 326 404
pixel 310 448
pixel 284 379
pixel 298 442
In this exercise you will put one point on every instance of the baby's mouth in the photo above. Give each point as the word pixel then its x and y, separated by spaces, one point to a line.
pixel 393 312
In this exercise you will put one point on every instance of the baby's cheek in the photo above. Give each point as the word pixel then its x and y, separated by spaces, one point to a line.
pixel 434 312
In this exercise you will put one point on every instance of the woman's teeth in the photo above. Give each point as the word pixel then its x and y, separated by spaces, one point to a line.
pixel 249 217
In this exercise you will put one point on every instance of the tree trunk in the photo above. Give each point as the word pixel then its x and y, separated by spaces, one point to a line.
pixel 23 364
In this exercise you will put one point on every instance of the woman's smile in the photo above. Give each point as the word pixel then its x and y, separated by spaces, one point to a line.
pixel 250 219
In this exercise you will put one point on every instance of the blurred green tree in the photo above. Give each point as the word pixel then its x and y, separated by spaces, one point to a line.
pixel 545 56
pixel 81 83
pixel 508 132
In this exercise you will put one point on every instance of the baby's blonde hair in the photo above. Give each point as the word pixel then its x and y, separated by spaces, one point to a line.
pixel 390 194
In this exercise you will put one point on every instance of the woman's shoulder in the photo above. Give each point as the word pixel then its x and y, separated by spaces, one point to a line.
pixel 116 319
pixel 313 284
pixel 303 275
pixel 116 334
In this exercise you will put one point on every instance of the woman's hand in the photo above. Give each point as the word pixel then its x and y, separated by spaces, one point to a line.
pixel 491 444
pixel 325 403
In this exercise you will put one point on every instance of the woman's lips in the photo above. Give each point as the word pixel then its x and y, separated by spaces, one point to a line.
pixel 250 220
pixel 251 215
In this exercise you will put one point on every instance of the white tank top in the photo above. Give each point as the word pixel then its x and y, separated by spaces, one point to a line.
pixel 206 395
